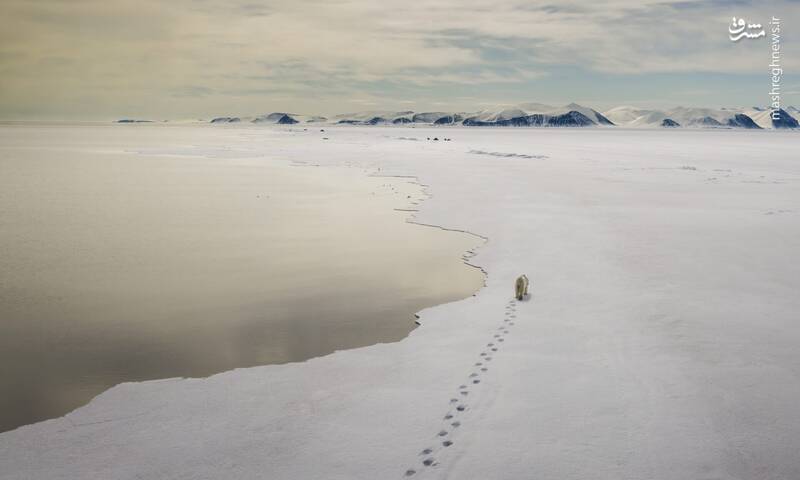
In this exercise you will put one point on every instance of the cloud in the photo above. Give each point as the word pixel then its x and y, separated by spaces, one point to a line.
pixel 189 54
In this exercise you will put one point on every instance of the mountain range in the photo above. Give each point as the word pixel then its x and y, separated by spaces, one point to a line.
pixel 541 115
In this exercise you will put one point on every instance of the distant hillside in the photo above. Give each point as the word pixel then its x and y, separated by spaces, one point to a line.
pixel 542 115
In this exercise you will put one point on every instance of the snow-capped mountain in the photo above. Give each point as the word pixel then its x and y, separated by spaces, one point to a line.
pixel 592 114
pixel 372 117
pixel 279 118
pixel 537 114
pixel 782 119
pixel 378 117
pixel 749 118
pixel 636 117
pixel 542 115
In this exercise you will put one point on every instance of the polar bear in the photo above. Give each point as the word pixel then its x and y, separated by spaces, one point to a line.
pixel 521 287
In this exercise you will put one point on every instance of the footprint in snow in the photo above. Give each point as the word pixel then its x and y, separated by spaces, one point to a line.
pixel 463 389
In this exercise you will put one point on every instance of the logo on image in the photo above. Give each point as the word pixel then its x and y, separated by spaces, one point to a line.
pixel 740 29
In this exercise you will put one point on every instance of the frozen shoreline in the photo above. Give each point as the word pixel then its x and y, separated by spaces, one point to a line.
pixel 130 257
pixel 659 342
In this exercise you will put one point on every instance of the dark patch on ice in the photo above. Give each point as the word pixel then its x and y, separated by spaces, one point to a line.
pixel 774 212
pixel 506 154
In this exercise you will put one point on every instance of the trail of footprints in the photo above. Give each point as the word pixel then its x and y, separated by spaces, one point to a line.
pixel 451 422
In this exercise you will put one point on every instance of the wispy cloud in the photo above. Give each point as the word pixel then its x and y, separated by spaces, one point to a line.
pixel 201 56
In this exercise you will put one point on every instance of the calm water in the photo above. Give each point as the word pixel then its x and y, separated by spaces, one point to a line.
pixel 117 266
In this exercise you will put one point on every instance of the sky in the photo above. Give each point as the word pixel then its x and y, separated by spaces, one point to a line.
pixel 186 59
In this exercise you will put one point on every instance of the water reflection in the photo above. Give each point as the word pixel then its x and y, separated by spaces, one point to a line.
pixel 119 267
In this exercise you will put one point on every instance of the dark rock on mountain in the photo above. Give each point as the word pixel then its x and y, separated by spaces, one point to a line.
pixel 428 117
pixel 602 120
pixel 670 123
pixel 402 120
pixel 589 113
pixel 707 122
pixel 131 120
pixel 569 119
pixel 226 120
pixel 270 117
pixel 783 120
pixel 741 120
pixel 280 118
pixel 474 122
pixel 286 120
pixel 448 120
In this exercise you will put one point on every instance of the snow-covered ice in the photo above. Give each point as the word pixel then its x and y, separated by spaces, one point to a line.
pixel 660 339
